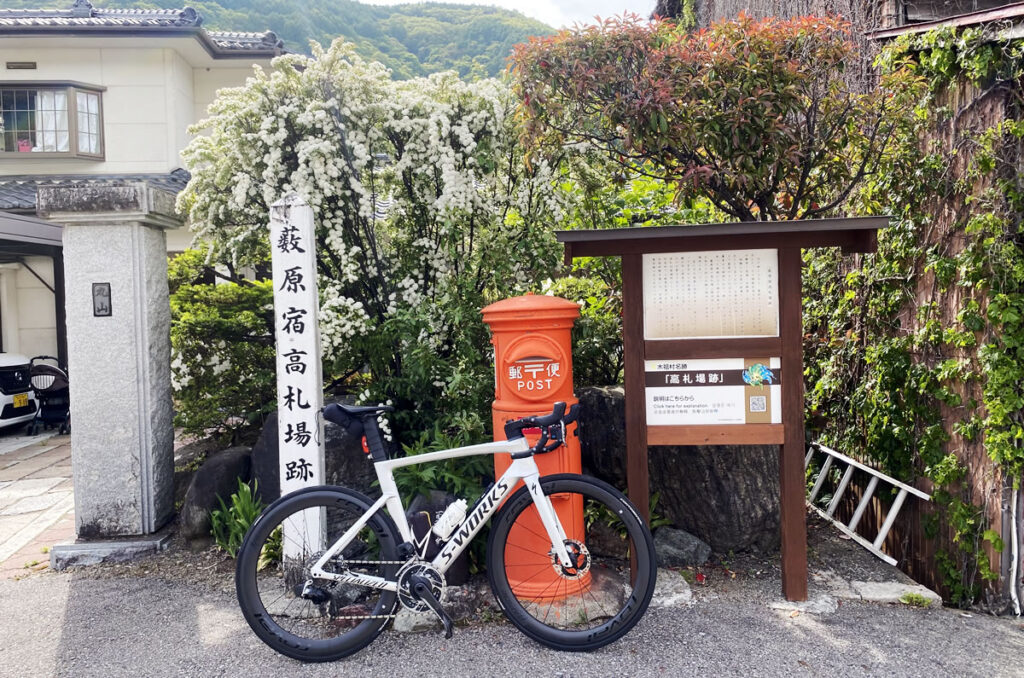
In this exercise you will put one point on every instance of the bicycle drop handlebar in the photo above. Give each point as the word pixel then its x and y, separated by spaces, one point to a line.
pixel 557 420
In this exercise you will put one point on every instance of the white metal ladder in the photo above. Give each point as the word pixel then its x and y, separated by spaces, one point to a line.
pixel 850 528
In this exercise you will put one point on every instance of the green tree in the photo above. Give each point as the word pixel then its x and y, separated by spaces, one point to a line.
pixel 222 349
pixel 753 115
pixel 389 34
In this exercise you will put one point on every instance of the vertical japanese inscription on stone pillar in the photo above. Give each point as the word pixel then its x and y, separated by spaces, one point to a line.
pixel 299 377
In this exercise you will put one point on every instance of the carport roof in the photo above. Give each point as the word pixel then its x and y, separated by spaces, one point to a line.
pixel 19 192
pixel 24 229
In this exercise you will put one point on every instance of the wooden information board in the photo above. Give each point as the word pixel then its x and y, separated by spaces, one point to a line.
pixel 713 340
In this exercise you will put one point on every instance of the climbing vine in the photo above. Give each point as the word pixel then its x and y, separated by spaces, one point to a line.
pixel 916 353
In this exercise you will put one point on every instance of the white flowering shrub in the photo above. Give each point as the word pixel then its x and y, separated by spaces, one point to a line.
pixel 425 213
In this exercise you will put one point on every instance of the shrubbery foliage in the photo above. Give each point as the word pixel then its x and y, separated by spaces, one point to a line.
pixel 917 353
pixel 425 213
pixel 754 116
pixel 222 338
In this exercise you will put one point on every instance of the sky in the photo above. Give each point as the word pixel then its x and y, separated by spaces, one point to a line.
pixel 556 13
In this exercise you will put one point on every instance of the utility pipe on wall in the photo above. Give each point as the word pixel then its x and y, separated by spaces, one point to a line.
pixel 1014 552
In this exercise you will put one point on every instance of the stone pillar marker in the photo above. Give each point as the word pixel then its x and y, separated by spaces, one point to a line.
pixel 300 395
pixel 118 321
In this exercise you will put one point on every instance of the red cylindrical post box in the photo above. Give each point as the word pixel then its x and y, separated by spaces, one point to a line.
pixel 532 372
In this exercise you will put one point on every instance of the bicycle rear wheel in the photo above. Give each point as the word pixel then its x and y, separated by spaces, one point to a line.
pixel 598 600
pixel 303 617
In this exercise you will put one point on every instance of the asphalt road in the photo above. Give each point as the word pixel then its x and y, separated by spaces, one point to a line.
pixel 73 625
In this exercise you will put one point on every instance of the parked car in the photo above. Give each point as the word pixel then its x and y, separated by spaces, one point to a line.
pixel 17 399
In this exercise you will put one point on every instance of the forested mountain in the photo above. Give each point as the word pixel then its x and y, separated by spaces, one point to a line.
pixel 412 39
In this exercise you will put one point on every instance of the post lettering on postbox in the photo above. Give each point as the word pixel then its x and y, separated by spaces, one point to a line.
pixel 299 377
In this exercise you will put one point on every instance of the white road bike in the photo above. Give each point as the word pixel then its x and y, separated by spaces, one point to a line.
pixel 570 561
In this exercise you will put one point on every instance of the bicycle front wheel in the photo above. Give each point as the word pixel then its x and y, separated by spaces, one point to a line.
pixel 305 617
pixel 603 595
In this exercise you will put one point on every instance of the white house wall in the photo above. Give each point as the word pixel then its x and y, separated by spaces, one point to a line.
pixel 181 86
pixel 152 96
pixel 209 80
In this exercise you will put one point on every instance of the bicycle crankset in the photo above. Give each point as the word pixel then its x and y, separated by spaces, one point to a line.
pixel 421 588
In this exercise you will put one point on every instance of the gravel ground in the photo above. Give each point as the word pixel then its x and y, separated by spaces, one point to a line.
pixel 175 615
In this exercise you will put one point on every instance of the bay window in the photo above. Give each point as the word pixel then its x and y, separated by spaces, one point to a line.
pixel 50 119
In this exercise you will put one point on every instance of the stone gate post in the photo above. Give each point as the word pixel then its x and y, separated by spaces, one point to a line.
pixel 118 322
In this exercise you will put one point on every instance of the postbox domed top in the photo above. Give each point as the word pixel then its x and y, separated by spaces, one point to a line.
pixel 536 306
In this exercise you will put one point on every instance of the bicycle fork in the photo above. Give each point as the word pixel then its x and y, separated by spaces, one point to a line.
pixel 549 518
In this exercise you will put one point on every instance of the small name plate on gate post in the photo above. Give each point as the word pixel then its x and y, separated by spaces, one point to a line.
pixel 101 306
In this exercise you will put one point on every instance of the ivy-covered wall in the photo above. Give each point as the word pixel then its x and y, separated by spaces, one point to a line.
pixel 915 354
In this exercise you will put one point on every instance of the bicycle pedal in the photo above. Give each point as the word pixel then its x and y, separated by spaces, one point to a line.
pixel 421 588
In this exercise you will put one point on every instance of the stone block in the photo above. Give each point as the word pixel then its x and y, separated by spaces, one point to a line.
pixel 81 552
pixel 892 591
pixel 671 590
pixel 677 548
pixel 216 479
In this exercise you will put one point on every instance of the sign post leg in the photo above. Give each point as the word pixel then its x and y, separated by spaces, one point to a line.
pixel 792 515
pixel 637 474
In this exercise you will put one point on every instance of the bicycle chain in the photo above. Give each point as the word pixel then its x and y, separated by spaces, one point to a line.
pixel 380 616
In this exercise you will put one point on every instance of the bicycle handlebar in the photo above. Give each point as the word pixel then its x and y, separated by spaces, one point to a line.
pixel 557 420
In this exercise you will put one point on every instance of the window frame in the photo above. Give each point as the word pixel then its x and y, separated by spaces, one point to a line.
pixel 71 90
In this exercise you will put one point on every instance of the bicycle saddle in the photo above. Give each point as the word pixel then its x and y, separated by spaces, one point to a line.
pixel 362 410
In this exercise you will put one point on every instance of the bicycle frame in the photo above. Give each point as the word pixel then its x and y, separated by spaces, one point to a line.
pixel 524 469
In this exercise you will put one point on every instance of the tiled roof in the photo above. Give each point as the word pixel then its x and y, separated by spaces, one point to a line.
pixel 234 40
pixel 82 13
pixel 82 17
pixel 19 192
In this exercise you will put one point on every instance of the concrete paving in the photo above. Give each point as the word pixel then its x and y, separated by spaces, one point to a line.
pixel 74 625
pixel 36 500
pixel 156 617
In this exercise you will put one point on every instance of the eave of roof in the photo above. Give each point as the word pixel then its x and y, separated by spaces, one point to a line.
pixel 1008 13
pixel 82 19
pixel 19 192
pixel 20 228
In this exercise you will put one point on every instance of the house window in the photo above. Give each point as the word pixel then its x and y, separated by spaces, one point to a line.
pixel 65 120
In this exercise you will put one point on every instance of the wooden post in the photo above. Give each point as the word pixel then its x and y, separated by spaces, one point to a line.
pixel 792 515
pixel 636 417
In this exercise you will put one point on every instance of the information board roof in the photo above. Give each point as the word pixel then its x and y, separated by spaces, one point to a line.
pixel 855 234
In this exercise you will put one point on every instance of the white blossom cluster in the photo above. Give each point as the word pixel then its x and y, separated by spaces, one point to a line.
pixel 341 318
pixel 422 200
pixel 180 374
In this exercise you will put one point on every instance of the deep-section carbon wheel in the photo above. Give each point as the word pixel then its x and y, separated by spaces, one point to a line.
pixel 607 589
pixel 307 618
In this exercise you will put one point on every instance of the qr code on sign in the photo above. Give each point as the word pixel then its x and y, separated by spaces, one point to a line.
pixel 758 403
